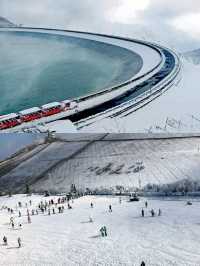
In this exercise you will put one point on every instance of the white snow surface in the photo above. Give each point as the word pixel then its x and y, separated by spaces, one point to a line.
pixel 105 163
pixel 179 103
pixel 70 239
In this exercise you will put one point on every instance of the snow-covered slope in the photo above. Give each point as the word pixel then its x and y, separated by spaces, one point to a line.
pixel 177 110
pixel 193 56
pixel 70 239
pixel 111 161
pixel 5 22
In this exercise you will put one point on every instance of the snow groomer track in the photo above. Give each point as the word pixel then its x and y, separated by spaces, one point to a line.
pixel 159 72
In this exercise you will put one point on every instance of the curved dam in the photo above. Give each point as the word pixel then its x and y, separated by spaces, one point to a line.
pixel 100 75
pixel 37 68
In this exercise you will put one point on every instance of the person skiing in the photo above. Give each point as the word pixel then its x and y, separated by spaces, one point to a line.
pixel 91 205
pixel 19 242
pixel 102 231
pixel 105 231
pixel 11 220
pixel 142 213
pixel 20 214
pixel 29 219
pixel 110 208
pixel 146 204
pixel 13 225
pixel 159 212
pixel 152 213
pixel 53 211
pixel 143 264
pixel 5 241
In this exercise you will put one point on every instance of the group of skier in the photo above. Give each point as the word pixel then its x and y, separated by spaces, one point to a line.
pixel 153 213
pixel 43 207
pixel 50 207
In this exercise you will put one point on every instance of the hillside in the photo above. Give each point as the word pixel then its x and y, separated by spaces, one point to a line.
pixel 5 22
pixel 103 162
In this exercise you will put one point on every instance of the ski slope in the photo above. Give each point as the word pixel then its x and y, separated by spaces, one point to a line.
pixel 70 239
pixel 103 161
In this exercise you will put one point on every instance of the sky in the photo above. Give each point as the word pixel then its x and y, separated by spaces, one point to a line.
pixel 172 22
pixel 11 143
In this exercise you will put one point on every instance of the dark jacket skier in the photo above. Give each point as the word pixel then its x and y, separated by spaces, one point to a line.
pixel 5 241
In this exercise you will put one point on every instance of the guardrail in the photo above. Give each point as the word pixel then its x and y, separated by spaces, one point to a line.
pixel 143 98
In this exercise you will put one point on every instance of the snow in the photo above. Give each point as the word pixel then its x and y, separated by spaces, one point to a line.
pixel 30 111
pixel 180 103
pixel 103 161
pixel 70 239
pixel 50 105
pixel 60 126
pixel 9 116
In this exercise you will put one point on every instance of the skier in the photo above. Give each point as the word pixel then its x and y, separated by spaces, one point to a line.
pixel 13 225
pixel 20 214
pixel 19 242
pixel 29 219
pixel 11 220
pixel 110 208
pixel 152 213
pixel 143 264
pixel 69 206
pixel 5 241
pixel 142 213
pixel 146 204
pixel 105 231
pixel 91 205
pixel 159 212
pixel 53 211
pixel 102 231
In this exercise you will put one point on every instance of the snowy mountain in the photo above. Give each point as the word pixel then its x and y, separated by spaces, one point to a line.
pixel 193 56
pixel 5 22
